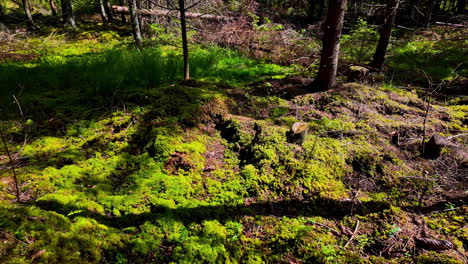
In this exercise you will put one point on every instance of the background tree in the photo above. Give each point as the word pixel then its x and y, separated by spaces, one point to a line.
pixel 67 13
pixel 183 27
pixel 53 7
pixel 385 34
pixel 326 76
pixel 102 11
pixel 27 11
pixel 135 21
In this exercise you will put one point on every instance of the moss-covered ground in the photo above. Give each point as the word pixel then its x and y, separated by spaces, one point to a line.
pixel 119 162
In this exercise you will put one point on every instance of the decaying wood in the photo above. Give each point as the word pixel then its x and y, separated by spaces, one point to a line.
pixel 158 12
pixel 354 234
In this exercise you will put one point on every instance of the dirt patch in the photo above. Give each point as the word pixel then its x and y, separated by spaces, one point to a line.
pixel 178 161
pixel 214 156
pixel 7 56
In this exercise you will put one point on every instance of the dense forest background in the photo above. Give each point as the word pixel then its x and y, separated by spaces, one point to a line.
pixel 233 131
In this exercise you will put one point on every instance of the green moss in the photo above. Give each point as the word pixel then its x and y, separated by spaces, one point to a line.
pixel 437 258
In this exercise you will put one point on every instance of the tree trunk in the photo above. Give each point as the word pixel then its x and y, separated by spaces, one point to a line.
pixel 102 10
pixel 326 76
pixel 107 8
pixel 183 26
pixel 321 8
pixel 429 11
pixel 67 13
pixel 461 6
pixel 53 7
pixel 385 34
pixel 122 3
pixel 135 21
pixel 27 11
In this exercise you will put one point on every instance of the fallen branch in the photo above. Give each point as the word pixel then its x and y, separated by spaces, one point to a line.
pixel 157 12
pixel 354 234
pixel 449 24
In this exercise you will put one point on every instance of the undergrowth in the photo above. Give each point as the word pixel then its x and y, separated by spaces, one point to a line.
pixel 125 164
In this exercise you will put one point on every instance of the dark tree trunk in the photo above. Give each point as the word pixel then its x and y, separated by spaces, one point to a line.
pixel 311 11
pixel 135 21
pixel 122 3
pixel 315 11
pixel 183 26
pixel 110 15
pixel 461 6
pixel 53 7
pixel 385 34
pixel 321 8
pixel 430 9
pixel 437 7
pixel 102 11
pixel 326 76
pixel 27 11
pixel 67 13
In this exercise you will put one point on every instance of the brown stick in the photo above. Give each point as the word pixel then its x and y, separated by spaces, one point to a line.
pixel 157 12
pixel 12 164
pixel 354 234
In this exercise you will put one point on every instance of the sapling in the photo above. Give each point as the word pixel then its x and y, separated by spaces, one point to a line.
pixel 15 178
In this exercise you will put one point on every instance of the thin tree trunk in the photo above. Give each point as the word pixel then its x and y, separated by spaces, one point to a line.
pixel 311 11
pixel 53 7
pixel 102 10
pixel 67 13
pixel 429 11
pixel 107 8
pixel 385 34
pixel 326 76
pixel 124 19
pixel 27 11
pixel 183 26
pixel 135 21
pixel 321 8
pixel 461 6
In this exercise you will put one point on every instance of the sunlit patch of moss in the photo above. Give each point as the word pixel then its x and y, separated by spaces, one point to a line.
pixel 437 258
pixel 45 147
pixel 450 223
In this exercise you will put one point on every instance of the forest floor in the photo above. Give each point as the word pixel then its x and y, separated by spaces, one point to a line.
pixel 119 162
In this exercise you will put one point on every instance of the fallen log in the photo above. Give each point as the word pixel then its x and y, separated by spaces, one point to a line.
pixel 157 12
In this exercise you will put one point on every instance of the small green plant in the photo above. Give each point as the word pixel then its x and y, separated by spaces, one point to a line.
pixel 360 43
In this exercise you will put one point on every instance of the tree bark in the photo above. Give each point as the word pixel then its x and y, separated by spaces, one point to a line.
pixel 183 27
pixel 122 3
pixel 135 21
pixel 67 13
pixel 53 7
pixel 27 11
pixel 326 76
pixel 385 34
pixel 102 11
